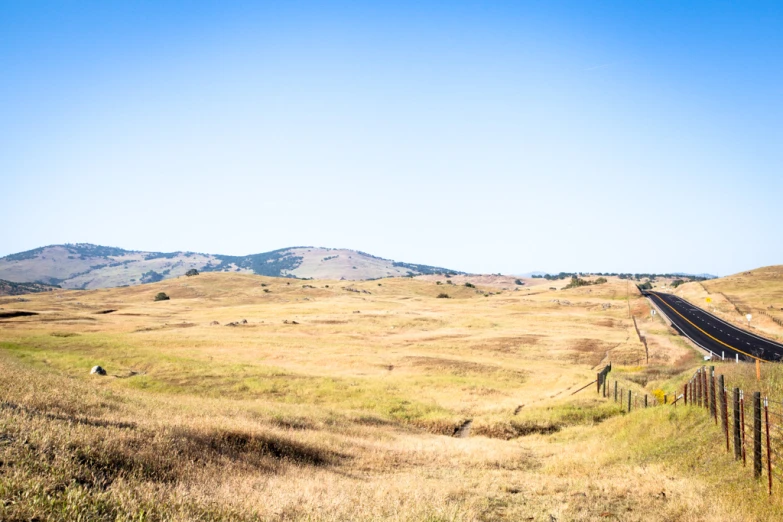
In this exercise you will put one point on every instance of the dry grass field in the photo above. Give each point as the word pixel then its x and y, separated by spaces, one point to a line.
pixel 341 400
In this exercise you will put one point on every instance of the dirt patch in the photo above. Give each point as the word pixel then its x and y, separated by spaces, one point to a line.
pixel 588 351
pixel 458 367
pixel 608 323
pixel 512 430
pixel 463 430
pixel 507 344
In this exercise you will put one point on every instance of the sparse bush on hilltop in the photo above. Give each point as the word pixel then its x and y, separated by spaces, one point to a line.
pixel 443 296
pixel 191 272
pixel 161 296
pixel 576 282
pixel 470 285
pixel 519 282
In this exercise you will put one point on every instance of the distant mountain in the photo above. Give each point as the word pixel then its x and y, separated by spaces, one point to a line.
pixel 86 266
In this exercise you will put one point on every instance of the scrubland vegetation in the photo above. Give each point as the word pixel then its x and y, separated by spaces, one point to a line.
pixel 341 401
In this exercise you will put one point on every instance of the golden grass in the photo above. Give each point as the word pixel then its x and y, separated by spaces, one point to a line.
pixel 347 415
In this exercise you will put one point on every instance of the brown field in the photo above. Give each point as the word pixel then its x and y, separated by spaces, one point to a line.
pixel 340 400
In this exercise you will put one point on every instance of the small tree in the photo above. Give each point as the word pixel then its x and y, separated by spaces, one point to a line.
pixel 191 272
pixel 470 285
pixel 443 296
pixel 161 296
pixel 519 282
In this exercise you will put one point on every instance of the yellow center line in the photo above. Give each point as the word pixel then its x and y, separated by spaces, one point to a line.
pixel 705 333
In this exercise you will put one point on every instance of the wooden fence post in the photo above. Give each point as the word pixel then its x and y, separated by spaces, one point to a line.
pixel 737 441
pixel 701 387
pixel 705 390
pixel 645 400
pixel 721 398
pixel 685 394
pixel 769 455
pixel 757 434
pixel 725 414
pixel 742 426
pixel 713 408
pixel 615 391
pixel 629 401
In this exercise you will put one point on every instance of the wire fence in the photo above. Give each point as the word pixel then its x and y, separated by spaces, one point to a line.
pixel 751 425
pixel 755 434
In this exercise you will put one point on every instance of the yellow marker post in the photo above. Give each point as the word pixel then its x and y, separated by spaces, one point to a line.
pixel 708 299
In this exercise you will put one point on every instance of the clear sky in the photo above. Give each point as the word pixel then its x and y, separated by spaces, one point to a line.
pixel 630 136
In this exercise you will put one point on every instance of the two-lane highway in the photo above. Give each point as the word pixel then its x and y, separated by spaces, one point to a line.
pixel 712 333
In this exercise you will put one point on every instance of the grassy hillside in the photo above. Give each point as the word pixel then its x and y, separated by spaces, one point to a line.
pixel 338 400
pixel 86 266
pixel 11 288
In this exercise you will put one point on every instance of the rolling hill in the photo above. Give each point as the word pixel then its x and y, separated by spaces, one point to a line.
pixel 88 266
pixel 11 288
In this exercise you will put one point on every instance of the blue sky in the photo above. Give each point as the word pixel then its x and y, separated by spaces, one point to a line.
pixel 488 137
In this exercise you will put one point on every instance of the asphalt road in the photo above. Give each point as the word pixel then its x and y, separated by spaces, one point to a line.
pixel 712 333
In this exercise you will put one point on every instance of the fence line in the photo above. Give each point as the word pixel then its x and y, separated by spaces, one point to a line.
pixel 756 434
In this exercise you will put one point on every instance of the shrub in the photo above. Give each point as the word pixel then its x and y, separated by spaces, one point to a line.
pixel 161 296
pixel 443 296
pixel 600 281
pixel 191 272
pixel 470 285
pixel 519 282
pixel 576 282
